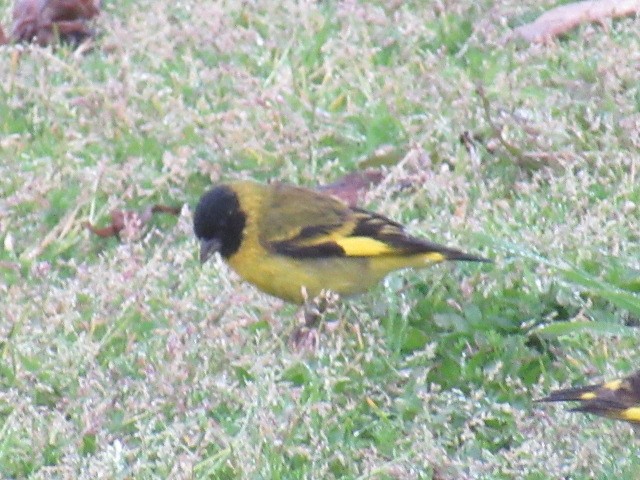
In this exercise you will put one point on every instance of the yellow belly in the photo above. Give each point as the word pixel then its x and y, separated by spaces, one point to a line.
pixel 284 277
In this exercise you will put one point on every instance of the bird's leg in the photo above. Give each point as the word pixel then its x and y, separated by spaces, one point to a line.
pixel 313 310
pixel 314 313
pixel 321 308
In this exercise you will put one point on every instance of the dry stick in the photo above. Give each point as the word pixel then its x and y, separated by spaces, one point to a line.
pixel 96 184
pixel 528 160
pixel 58 232
pixel 15 61
pixel 497 130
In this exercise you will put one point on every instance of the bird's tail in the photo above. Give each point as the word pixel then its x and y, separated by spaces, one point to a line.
pixel 457 255
pixel 577 394
pixel 611 399
pixel 435 252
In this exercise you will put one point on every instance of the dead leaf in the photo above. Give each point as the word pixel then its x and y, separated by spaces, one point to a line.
pixel 48 20
pixel 128 224
pixel 57 233
pixel 561 19
pixel 353 186
pixel 3 37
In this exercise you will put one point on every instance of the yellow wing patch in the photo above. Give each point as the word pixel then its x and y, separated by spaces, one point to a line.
pixel 363 246
pixel 613 385
pixel 370 247
pixel 631 414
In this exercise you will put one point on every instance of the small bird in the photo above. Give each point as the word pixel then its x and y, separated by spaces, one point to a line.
pixel 617 399
pixel 286 239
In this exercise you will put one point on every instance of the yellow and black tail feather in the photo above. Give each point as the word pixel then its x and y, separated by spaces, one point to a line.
pixel 617 399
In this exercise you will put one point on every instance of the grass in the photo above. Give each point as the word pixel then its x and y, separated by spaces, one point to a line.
pixel 128 360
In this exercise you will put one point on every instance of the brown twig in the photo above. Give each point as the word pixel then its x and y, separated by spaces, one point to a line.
pixel 530 160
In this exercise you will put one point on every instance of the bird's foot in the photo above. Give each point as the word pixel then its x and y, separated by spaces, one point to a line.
pixel 304 339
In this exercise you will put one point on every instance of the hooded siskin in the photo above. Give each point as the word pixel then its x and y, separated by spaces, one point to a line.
pixel 617 399
pixel 282 238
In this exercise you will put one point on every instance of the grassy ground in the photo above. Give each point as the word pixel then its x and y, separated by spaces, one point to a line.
pixel 126 359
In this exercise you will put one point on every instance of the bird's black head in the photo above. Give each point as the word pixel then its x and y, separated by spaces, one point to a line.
pixel 218 222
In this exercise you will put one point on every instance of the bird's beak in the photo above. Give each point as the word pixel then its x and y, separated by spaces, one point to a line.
pixel 208 248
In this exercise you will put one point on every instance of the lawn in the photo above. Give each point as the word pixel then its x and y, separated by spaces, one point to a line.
pixel 125 358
